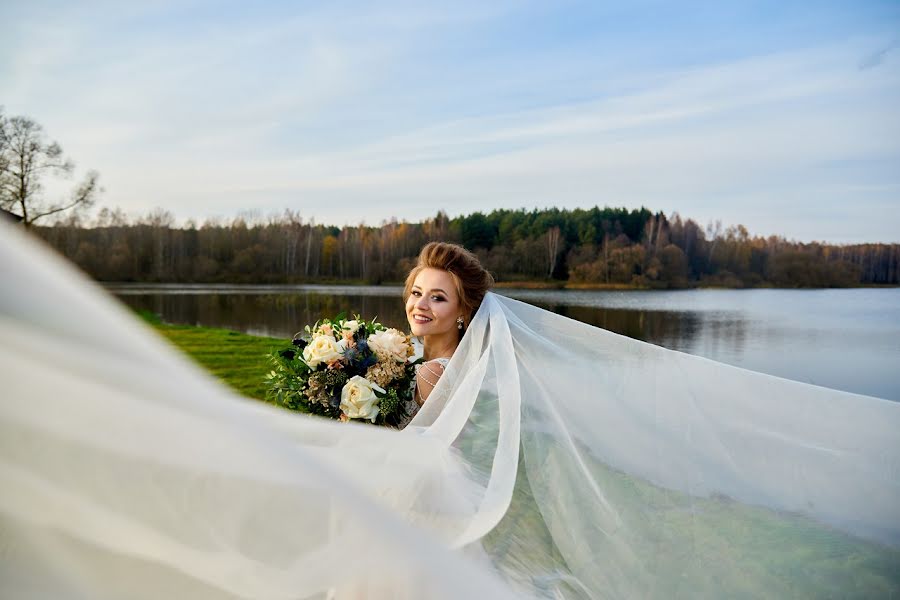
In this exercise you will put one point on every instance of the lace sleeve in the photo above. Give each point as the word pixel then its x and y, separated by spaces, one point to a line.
pixel 427 376
pixel 426 380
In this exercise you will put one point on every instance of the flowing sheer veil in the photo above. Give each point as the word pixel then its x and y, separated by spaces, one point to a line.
pixel 553 459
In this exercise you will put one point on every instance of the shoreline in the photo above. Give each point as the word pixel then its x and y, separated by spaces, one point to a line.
pixel 522 285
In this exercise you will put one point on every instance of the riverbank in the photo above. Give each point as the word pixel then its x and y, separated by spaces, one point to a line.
pixel 703 285
pixel 237 359
pixel 518 284
pixel 562 285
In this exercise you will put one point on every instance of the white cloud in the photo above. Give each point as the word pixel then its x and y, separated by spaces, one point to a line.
pixel 700 141
pixel 297 113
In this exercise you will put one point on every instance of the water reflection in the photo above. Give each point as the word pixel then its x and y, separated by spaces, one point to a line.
pixel 666 328
pixel 844 339
pixel 281 315
pixel 273 315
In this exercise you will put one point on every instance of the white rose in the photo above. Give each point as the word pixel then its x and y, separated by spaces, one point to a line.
pixel 358 399
pixel 390 344
pixel 321 349
pixel 351 326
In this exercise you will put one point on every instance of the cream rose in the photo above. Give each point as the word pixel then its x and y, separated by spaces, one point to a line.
pixel 321 349
pixel 390 344
pixel 351 326
pixel 358 399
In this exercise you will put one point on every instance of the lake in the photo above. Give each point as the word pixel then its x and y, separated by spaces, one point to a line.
pixel 847 339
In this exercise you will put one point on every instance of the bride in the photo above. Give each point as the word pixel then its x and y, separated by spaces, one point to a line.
pixel 549 459
pixel 442 293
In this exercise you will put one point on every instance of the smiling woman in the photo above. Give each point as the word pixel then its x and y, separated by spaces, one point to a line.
pixel 443 292
pixel 434 312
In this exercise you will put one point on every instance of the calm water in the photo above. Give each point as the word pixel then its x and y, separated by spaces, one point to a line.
pixel 844 339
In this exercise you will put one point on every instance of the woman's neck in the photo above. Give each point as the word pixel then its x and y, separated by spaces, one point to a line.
pixel 439 346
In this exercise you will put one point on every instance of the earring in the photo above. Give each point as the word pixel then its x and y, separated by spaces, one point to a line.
pixel 459 322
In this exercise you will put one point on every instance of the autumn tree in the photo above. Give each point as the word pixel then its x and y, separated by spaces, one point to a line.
pixel 583 246
pixel 27 159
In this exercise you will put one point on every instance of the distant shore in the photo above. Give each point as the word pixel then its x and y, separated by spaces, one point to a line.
pixel 525 285
pixel 562 285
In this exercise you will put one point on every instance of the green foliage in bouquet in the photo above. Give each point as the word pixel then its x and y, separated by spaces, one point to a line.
pixel 345 369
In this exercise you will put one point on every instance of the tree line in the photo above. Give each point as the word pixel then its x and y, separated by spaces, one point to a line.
pixel 579 247
pixel 590 247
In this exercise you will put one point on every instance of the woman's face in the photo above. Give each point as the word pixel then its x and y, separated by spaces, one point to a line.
pixel 433 304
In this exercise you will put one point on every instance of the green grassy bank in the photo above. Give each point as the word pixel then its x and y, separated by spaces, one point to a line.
pixel 238 359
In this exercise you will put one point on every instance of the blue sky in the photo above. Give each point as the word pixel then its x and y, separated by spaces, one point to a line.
pixel 782 116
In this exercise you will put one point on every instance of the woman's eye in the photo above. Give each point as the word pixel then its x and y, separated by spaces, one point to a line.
pixel 437 298
pixel 416 294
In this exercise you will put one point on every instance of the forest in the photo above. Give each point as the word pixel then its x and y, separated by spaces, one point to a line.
pixel 596 247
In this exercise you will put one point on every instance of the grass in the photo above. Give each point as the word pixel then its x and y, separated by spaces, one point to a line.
pixel 238 359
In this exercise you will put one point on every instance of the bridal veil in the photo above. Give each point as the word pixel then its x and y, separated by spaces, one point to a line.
pixel 553 459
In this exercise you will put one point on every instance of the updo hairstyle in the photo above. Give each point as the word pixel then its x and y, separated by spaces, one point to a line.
pixel 471 279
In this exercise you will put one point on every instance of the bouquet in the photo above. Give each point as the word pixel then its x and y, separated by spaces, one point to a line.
pixel 346 369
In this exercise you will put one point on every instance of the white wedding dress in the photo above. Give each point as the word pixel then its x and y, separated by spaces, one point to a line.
pixel 553 459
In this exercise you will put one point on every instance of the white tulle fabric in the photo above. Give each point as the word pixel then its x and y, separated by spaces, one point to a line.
pixel 553 460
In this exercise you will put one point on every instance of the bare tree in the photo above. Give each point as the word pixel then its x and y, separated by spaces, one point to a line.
pixel 553 248
pixel 309 236
pixel 714 233
pixel 4 144
pixel 27 157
